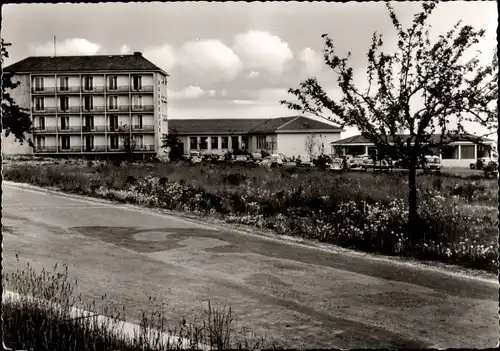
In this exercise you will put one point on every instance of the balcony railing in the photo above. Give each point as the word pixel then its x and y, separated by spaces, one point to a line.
pixel 69 129
pixel 70 149
pixel 40 130
pixel 94 129
pixel 118 89
pixel 94 89
pixel 44 110
pixel 144 148
pixel 44 90
pixel 69 109
pixel 121 108
pixel 143 128
pixel 118 129
pixel 68 90
pixel 93 109
pixel 100 148
pixel 143 89
pixel 143 108
pixel 44 149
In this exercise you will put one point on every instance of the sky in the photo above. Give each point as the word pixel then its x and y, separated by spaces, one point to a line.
pixel 230 60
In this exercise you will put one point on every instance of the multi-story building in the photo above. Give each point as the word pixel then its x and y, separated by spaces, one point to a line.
pixel 91 105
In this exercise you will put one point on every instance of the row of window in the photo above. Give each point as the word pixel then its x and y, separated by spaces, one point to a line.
pixel 88 142
pixel 88 83
pixel 88 122
pixel 88 102
pixel 202 143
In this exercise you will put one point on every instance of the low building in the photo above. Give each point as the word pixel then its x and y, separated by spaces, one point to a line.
pixel 283 135
pixel 456 154
pixel 96 105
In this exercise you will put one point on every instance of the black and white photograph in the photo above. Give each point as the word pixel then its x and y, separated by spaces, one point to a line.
pixel 249 175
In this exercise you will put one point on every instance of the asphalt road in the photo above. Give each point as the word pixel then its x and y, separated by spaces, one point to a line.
pixel 294 296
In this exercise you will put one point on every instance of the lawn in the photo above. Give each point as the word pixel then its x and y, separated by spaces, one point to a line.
pixel 362 211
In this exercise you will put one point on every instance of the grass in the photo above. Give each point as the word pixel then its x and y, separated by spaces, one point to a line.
pixel 363 211
pixel 45 317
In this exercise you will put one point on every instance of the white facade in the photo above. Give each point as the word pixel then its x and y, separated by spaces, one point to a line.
pixel 294 144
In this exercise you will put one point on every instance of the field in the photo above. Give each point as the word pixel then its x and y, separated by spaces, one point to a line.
pixel 361 211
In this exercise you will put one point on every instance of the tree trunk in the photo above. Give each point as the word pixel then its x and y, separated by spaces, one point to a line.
pixel 412 202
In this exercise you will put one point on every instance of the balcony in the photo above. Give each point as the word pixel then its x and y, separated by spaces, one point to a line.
pixel 70 130
pixel 93 109
pixel 70 149
pixel 45 149
pixel 143 89
pixel 100 148
pixel 144 148
pixel 69 109
pixel 44 110
pixel 44 130
pixel 118 89
pixel 143 129
pixel 94 129
pixel 143 108
pixel 43 91
pixel 68 90
pixel 93 90
pixel 118 129
pixel 122 108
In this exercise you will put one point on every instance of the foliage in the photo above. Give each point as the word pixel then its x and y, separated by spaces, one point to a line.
pixel 310 144
pixel 15 120
pixel 434 74
pixel 172 142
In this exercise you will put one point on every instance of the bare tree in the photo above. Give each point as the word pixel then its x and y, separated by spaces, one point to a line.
pixel 320 144
pixel 448 87
pixel 310 145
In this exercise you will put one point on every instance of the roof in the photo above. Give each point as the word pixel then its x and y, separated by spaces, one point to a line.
pixel 246 125
pixel 36 64
pixel 359 139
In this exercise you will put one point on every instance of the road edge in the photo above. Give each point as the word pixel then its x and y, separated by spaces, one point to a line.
pixel 215 223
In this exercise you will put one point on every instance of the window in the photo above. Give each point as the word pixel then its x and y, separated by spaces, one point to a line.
pixel 40 142
pixel 261 142
pixel 113 142
pixel 64 83
pixel 137 102
pixel 450 152
pixel 214 143
pixel 88 124
pixel 113 82
pixel 64 103
pixel 89 83
pixel 225 143
pixel 483 151
pixel 39 103
pixel 113 103
pixel 139 141
pixel 65 142
pixel 203 143
pixel 113 122
pixel 41 123
pixel 139 122
pixel 89 142
pixel 244 142
pixel 88 103
pixel 39 84
pixel 193 143
pixel 64 122
pixel 137 82
pixel 467 152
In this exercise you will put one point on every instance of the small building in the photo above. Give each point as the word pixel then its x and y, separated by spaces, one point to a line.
pixel 283 135
pixel 456 154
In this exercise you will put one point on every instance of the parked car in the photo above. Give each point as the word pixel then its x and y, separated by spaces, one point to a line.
pixel 480 163
pixel 241 159
pixel 431 164
pixel 266 162
pixel 336 165
pixel 491 169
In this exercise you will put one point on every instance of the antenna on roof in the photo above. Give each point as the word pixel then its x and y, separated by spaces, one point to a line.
pixel 55 46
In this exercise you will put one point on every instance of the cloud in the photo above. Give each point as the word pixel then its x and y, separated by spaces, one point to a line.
pixel 125 49
pixel 210 59
pixel 192 92
pixel 262 50
pixel 73 46
pixel 163 56
pixel 311 60
pixel 253 74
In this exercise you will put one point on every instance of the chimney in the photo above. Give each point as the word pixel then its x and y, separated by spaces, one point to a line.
pixel 137 53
